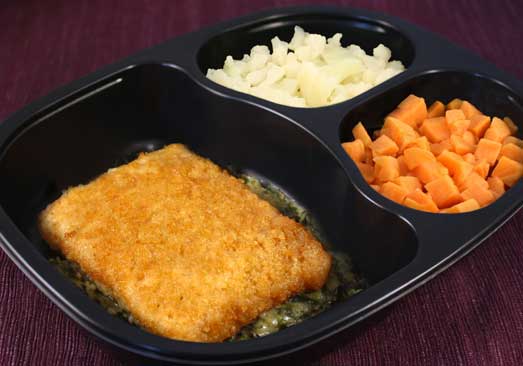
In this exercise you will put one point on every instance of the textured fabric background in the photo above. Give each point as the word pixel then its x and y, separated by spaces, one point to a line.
pixel 472 314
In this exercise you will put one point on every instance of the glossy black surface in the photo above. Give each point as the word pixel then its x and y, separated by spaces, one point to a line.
pixel 161 96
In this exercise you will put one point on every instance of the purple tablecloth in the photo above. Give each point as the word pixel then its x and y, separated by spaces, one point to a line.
pixel 472 314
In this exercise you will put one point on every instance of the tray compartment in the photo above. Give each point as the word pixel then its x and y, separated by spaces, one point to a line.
pixel 239 40
pixel 492 97
pixel 153 105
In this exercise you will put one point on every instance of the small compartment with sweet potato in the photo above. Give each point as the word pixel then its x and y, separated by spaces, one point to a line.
pixel 447 158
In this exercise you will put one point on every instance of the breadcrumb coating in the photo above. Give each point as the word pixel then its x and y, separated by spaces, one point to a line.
pixel 184 246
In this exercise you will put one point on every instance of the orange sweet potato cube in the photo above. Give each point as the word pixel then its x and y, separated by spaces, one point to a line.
pixel 478 125
pixel 412 110
pixel 420 201
pixel 465 206
pixel 421 142
pixel 428 171
pixel 469 138
pixel 436 109
pixel 469 158
pixel 512 151
pixel 473 179
pixel 455 104
pixel 487 150
pixel 496 186
pixel 511 125
pixel 401 133
pixel 508 170
pixel 409 183
pixel 376 187
pixel 482 168
pixel 513 140
pixel 460 146
pixel 469 109
pixel 360 133
pixel 393 192
pixel 438 147
pixel 454 115
pixel 482 195
pixel 459 126
pixel 461 172
pixel 452 161
pixel 497 131
pixel 386 168
pixel 384 145
pixel 367 171
pixel 415 156
pixel 404 170
pixel 436 129
pixel 443 192
pixel 355 149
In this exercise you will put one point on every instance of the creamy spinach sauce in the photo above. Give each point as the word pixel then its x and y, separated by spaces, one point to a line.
pixel 341 284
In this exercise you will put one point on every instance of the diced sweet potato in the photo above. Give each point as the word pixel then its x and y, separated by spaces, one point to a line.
pixel 368 156
pixel 401 133
pixel 409 183
pixel 448 159
pixel 443 192
pixel 458 127
pixel 508 170
pixel 512 151
pixel 469 138
pixel 420 201
pixel 360 133
pixel 473 179
pixel 469 158
pixel 461 171
pixel 511 125
pixel 487 150
pixel 454 115
pixel 415 156
pixel 452 161
pixel 482 168
pixel 384 145
pixel 436 129
pixel 421 142
pixel 376 187
pixel 412 110
pixel 496 186
pixel 482 195
pixel 465 206
pixel 355 149
pixel 513 140
pixel 469 110
pixel 454 104
pixel 386 168
pixel 478 125
pixel 367 171
pixel 442 168
pixel 460 146
pixel 428 171
pixel 393 192
pixel 438 147
pixel 404 170
pixel 437 109
pixel 497 131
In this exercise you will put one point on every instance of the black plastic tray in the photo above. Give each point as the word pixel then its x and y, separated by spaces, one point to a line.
pixel 161 95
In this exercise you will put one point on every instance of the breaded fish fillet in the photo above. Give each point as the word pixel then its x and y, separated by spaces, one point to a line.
pixel 183 246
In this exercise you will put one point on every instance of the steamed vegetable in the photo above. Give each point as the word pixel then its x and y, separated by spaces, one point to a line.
pixel 445 158
pixel 308 71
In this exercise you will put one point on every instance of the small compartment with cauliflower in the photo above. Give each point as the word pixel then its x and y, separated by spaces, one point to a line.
pixel 310 70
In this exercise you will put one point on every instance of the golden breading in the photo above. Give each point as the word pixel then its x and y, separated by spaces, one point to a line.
pixel 183 246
